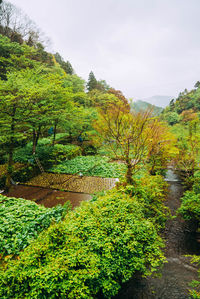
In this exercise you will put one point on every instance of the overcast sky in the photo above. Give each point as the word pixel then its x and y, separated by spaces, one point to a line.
pixel 142 47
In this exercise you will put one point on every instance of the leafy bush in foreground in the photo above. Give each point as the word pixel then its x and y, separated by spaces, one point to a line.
pixel 151 192
pixel 96 248
pixel 195 284
pixel 91 166
pixel 22 220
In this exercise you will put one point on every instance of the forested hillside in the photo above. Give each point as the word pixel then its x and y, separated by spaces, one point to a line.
pixel 184 107
pixel 140 106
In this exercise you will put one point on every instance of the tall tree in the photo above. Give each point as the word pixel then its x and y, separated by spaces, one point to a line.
pixel 92 82
pixel 161 147
pixel 14 106
pixel 125 134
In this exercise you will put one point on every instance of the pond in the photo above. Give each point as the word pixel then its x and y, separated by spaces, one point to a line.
pixel 43 189
pixel 47 197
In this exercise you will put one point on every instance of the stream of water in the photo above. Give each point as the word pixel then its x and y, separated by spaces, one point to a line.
pixel 178 272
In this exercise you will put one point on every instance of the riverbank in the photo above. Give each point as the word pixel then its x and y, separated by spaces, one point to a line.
pixel 177 273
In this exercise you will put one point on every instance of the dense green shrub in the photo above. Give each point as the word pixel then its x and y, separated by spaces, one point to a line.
pixel 190 206
pixel 91 166
pixel 48 155
pixel 190 210
pixel 96 248
pixel 151 192
pixel 25 173
pixel 89 149
pixel 21 221
pixel 4 168
pixel 195 284
pixel 22 174
pixel 196 184
pixel 62 138
pixel 2 158
pixel 62 152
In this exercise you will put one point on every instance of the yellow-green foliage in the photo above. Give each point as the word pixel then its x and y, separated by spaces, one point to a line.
pixel 96 248
pixel 150 191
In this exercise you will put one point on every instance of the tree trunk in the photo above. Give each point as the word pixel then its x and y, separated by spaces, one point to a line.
pixel 34 142
pixel 10 168
pixel 129 173
pixel 36 136
pixel 54 132
pixel 10 152
pixel 70 137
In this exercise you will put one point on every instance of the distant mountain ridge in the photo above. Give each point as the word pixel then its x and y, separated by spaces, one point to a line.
pixel 158 100
pixel 140 105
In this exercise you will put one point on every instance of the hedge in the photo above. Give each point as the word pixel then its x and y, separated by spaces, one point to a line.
pixel 48 155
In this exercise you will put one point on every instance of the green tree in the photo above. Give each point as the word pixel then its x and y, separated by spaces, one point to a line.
pixel 102 86
pixel 172 118
pixel 125 134
pixel 80 122
pixel 14 106
pixel 31 101
pixel 48 102
pixel 92 82
pixel 73 83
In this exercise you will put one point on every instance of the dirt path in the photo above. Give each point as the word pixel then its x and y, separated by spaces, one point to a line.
pixel 177 273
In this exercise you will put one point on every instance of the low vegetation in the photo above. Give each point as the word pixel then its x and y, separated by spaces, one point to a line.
pixel 22 220
pixel 91 166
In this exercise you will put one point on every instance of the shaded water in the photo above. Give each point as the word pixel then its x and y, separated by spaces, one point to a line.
pixel 171 176
pixel 43 188
pixel 47 197
pixel 177 273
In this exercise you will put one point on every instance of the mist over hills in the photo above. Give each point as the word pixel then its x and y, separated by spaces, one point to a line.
pixel 158 100
pixel 140 106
